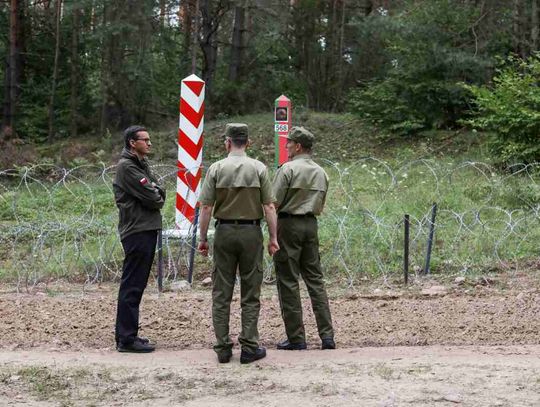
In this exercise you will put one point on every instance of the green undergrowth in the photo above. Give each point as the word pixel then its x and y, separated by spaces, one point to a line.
pixel 55 225
pixel 339 138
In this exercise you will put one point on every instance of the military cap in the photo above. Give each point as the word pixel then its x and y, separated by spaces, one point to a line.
pixel 236 131
pixel 302 136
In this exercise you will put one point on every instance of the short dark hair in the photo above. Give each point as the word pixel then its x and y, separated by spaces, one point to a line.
pixel 239 143
pixel 302 136
pixel 131 134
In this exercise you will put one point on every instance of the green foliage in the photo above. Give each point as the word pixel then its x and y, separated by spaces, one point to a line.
pixel 69 229
pixel 382 104
pixel 80 226
pixel 481 215
pixel 55 229
pixel 429 51
pixel 122 61
pixel 127 66
pixel 265 74
pixel 510 110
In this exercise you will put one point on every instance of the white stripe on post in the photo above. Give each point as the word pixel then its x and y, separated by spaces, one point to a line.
pixel 190 137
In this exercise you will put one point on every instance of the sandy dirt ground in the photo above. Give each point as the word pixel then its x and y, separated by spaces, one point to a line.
pixel 480 346
pixel 390 376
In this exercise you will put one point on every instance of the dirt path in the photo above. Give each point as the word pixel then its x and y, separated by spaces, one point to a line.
pixel 480 347
pixel 72 319
pixel 392 376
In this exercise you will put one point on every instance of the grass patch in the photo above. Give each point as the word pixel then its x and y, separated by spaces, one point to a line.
pixel 480 221
pixel 44 383
pixel 384 371
pixel 58 224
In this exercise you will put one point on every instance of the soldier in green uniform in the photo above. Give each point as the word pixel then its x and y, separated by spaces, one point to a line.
pixel 300 187
pixel 238 190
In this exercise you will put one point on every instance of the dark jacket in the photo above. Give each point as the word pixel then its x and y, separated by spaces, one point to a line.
pixel 138 195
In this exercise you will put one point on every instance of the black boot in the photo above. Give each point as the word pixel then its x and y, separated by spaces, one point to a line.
pixel 135 347
pixel 225 356
pixel 286 345
pixel 248 357
pixel 328 343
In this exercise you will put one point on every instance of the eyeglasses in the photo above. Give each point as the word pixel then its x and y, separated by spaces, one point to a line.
pixel 146 140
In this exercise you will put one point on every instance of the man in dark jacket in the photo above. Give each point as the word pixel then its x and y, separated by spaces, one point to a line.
pixel 139 198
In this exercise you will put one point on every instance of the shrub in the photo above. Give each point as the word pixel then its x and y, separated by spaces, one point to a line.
pixel 430 51
pixel 510 110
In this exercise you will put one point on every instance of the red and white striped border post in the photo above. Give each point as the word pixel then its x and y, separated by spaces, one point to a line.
pixel 190 146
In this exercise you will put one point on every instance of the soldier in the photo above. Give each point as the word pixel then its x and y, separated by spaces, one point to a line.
pixel 139 198
pixel 238 190
pixel 300 187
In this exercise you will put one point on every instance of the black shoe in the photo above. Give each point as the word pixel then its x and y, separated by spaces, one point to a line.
pixel 286 345
pixel 328 343
pixel 248 357
pixel 135 347
pixel 140 339
pixel 224 356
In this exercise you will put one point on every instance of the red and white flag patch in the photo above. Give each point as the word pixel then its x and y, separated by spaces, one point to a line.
pixel 143 181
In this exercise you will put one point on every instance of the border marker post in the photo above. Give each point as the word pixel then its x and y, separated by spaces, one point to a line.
pixel 190 151
pixel 282 125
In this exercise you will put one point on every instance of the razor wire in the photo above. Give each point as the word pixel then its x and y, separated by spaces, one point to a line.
pixel 62 223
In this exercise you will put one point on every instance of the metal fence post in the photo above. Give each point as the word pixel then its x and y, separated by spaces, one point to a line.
pixel 406 249
pixel 430 237
pixel 160 260
pixel 193 248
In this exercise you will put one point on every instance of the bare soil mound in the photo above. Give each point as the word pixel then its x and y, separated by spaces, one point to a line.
pixel 66 317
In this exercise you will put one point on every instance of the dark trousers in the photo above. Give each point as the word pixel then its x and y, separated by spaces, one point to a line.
pixel 299 256
pixel 139 249
pixel 237 247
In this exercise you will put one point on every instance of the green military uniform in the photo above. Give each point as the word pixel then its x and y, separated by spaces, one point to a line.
pixel 237 187
pixel 300 188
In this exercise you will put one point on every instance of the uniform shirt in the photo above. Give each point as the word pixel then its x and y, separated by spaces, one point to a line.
pixel 237 186
pixel 300 186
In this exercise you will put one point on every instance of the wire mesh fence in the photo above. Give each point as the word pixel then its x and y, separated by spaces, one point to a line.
pixel 58 222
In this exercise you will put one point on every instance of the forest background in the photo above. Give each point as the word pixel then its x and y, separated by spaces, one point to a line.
pixel 413 102
pixel 91 67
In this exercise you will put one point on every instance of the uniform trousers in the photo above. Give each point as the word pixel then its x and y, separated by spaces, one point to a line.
pixel 237 247
pixel 299 256
pixel 139 249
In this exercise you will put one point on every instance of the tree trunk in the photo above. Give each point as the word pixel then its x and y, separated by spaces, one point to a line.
pixel 73 125
pixel 93 18
pixel 534 26
pixel 11 90
pixel 367 7
pixel 211 18
pixel 237 43
pixel 248 25
pixel 13 60
pixel 162 12
pixel 328 93
pixel 185 17
pixel 517 44
pixel 6 104
pixel 55 68
pixel 195 38
pixel 340 75
pixel 105 74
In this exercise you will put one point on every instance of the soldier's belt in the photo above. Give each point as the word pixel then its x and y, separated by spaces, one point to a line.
pixel 282 215
pixel 238 222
